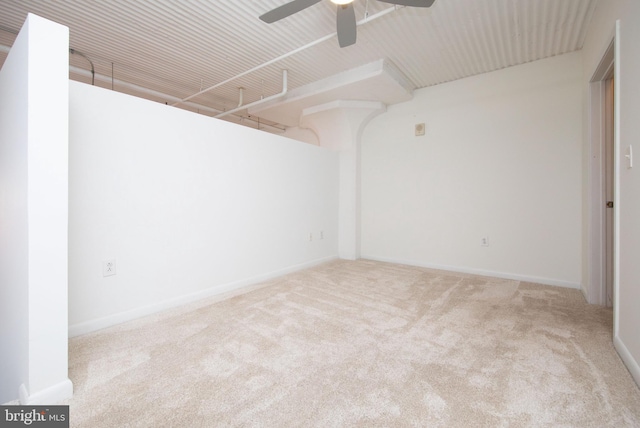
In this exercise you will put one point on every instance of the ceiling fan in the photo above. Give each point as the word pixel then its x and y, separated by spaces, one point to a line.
pixel 346 17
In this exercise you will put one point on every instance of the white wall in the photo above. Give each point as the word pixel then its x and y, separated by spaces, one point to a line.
pixel 501 159
pixel 33 209
pixel 600 33
pixel 188 206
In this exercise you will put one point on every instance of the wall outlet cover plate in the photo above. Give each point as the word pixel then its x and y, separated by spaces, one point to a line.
pixel 109 267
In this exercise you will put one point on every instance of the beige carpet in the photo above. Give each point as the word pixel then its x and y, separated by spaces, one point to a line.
pixel 361 344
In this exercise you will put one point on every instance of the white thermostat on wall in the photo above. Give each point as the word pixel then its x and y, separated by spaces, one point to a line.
pixel 420 129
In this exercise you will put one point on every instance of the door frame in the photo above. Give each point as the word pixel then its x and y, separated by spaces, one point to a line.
pixel 595 288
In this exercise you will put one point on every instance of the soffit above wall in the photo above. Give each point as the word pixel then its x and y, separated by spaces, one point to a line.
pixel 377 81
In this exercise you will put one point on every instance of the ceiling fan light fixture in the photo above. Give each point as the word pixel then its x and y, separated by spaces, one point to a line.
pixel 345 15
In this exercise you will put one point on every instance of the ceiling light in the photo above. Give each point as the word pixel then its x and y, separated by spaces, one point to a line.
pixel 341 1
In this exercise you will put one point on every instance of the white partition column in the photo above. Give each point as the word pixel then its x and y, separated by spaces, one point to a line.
pixel 339 126
pixel 34 122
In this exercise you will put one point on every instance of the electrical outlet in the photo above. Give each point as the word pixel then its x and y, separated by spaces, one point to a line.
pixel 484 242
pixel 420 127
pixel 109 267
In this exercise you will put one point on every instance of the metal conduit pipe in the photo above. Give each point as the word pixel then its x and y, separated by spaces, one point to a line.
pixel 161 95
pixel 286 55
pixel 6 49
pixel 141 89
pixel 93 71
pixel 263 100
pixel 240 96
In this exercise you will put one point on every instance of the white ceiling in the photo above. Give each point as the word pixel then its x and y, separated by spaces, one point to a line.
pixel 168 50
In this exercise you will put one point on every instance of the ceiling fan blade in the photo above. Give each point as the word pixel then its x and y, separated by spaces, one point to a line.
pixel 346 23
pixel 412 3
pixel 287 9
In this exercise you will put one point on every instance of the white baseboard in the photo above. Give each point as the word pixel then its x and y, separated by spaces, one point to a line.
pixel 481 272
pixel 627 359
pixel 51 395
pixel 111 320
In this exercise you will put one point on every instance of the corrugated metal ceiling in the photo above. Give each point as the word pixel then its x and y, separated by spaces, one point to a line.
pixel 176 48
